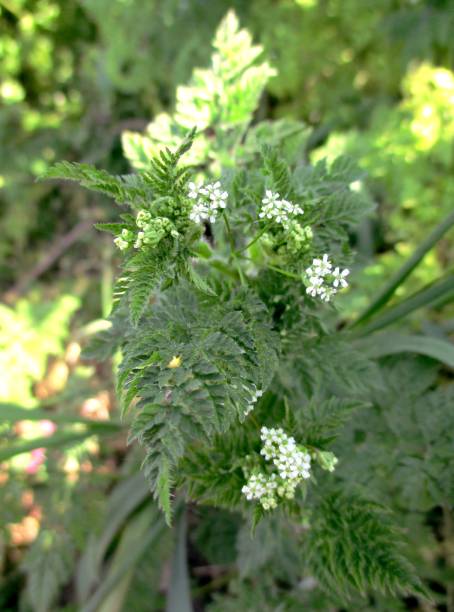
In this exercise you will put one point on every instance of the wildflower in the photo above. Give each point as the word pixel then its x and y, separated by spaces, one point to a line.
pixel 215 194
pixel 193 191
pixel 326 293
pixel 323 281
pixel 339 277
pixel 210 199
pixel 315 286
pixel 256 487
pixel 278 209
pixel 262 488
pixel 321 267
pixel 293 464
pixel 199 212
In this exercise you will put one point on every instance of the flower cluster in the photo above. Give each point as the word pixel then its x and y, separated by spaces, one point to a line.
pixel 151 231
pixel 278 209
pixel 209 200
pixel 263 488
pixel 293 464
pixel 323 281
pixel 256 395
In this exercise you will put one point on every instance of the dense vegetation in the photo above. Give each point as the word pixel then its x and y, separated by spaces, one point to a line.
pixel 261 414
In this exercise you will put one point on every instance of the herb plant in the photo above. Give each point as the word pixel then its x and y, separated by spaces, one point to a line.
pixel 237 377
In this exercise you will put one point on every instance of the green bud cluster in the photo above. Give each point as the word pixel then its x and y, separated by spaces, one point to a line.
pixel 124 240
pixel 299 238
pixel 326 460
pixel 176 210
pixel 153 231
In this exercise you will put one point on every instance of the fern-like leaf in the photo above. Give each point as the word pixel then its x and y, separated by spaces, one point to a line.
pixel 193 364
pixel 278 171
pixel 353 545
pixel 119 188
pixel 163 173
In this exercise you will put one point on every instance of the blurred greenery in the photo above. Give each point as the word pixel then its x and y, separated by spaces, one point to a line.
pixel 97 81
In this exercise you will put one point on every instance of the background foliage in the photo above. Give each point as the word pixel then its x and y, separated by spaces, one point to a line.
pixel 106 82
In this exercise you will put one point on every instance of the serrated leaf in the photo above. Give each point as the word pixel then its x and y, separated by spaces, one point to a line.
pixel 217 370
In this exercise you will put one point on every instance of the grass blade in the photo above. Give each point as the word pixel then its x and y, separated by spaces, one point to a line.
pixel 179 593
pixel 127 496
pixel 139 535
pixel 13 413
pixel 440 291
pixel 57 440
pixel 412 262
pixel 381 345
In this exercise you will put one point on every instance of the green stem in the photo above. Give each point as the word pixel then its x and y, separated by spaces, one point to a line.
pixel 275 269
pixel 284 272
pixel 254 240
pixel 233 253
pixel 229 233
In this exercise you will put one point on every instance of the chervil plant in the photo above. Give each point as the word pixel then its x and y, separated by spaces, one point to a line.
pixel 235 377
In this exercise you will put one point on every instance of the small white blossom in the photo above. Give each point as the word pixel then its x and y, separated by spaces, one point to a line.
pixel 278 209
pixel 326 293
pixel 323 281
pixel 270 198
pixel 262 488
pixel 292 209
pixel 193 191
pixel 321 267
pixel 255 487
pixel 291 461
pixel 214 192
pixel 210 199
pixel 199 212
pixel 315 285
pixel 339 277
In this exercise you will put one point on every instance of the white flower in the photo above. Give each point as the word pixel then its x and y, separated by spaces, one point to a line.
pixel 193 191
pixel 315 286
pixel 216 195
pixel 293 464
pixel 323 281
pixel 278 209
pixel 326 293
pixel 339 277
pixel 292 209
pixel 321 267
pixel 256 487
pixel 199 212
pixel 210 199
pixel 270 198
